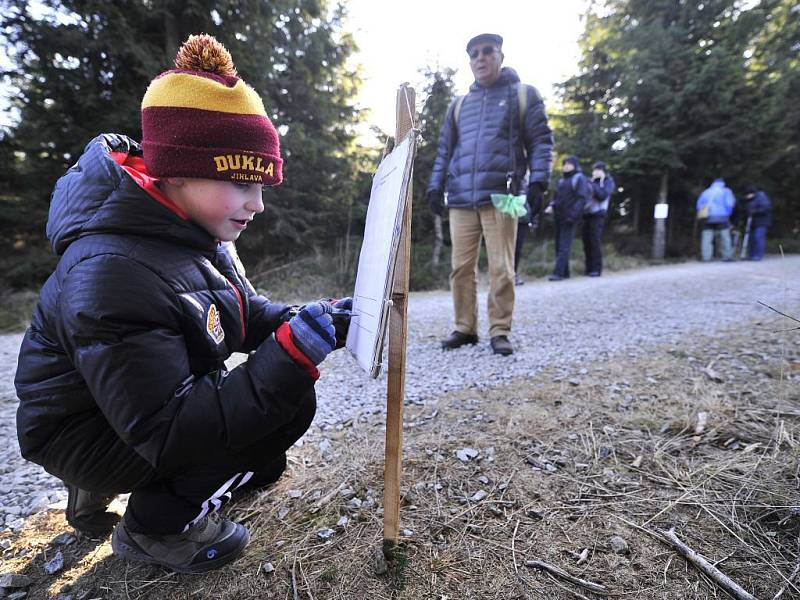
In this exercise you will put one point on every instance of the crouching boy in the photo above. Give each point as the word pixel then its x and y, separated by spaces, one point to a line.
pixel 121 376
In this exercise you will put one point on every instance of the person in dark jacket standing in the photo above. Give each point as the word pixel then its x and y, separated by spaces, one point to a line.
pixel 758 212
pixel 572 194
pixel 487 145
pixel 594 218
pixel 121 377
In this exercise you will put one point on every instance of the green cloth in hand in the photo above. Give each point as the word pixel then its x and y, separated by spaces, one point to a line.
pixel 510 205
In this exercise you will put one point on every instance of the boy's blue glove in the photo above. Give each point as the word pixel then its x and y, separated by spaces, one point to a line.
pixel 313 331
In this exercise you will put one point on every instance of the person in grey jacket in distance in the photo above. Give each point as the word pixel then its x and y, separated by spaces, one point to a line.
pixel 491 138
pixel 594 218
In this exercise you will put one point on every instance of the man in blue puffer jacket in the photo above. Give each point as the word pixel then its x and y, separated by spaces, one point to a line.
pixel 716 205
pixel 487 147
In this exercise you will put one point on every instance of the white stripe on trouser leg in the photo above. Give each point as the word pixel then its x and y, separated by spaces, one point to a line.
pixel 245 478
pixel 214 499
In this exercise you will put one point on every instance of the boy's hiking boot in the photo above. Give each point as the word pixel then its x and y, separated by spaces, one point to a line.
pixel 86 511
pixel 501 345
pixel 458 339
pixel 209 544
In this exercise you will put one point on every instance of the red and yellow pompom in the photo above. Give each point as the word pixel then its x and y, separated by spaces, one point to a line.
pixel 204 53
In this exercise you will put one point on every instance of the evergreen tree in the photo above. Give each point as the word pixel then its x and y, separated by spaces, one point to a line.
pixel 439 92
pixel 667 96
pixel 82 66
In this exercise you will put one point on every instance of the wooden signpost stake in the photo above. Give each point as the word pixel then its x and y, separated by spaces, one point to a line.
pixel 398 332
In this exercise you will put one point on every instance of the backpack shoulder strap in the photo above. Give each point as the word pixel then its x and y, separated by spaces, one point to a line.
pixel 457 109
pixel 522 102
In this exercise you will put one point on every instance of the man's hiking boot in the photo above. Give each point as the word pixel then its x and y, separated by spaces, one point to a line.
pixel 501 345
pixel 86 511
pixel 207 545
pixel 518 280
pixel 458 339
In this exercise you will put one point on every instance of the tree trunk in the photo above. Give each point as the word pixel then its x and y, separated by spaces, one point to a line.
pixel 170 34
pixel 660 227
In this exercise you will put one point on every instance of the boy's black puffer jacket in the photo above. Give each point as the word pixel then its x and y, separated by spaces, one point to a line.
pixel 131 331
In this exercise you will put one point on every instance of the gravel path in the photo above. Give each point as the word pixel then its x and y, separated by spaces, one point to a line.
pixel 564 324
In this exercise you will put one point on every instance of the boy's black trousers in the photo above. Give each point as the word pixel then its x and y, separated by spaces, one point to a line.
pixel 169 502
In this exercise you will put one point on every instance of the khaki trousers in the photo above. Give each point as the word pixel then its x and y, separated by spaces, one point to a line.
pixel 467 226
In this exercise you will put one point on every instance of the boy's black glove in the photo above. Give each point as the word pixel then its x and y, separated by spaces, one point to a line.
pixel 342 311
pixel 436 202
pixel 536 190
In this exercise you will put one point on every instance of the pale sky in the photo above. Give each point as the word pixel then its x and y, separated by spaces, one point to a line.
pixel 396 39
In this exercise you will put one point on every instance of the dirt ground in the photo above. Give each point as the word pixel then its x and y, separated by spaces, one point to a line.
pixel 703 437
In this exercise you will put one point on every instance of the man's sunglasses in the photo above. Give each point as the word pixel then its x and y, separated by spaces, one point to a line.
pixel 486 51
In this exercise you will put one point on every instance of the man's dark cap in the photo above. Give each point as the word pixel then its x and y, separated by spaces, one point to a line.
pixel 600 165
pixel 485 37
pixel 750 189
pixel 574 160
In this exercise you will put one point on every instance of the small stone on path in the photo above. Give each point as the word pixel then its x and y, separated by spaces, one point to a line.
pixel 64 539
pixel 14 581
pixel 467 454
pixel 619 545
pixel 55 564
pixel 381 567
pixel 479 495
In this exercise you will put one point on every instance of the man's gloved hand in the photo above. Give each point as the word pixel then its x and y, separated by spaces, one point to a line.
pixel 436 202
pixel 342 311
pixel 536 190
pixel 313 331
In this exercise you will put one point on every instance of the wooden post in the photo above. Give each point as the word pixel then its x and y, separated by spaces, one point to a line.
pixel 398 332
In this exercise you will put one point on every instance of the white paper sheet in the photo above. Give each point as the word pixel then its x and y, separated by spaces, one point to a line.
pixel 373 290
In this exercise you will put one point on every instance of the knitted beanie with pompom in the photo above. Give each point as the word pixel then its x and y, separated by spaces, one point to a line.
pixel 201 120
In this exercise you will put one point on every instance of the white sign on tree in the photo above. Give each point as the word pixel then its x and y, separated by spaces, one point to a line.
pixel 373 290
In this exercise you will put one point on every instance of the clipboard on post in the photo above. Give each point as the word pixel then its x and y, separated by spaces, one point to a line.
pixel 372 297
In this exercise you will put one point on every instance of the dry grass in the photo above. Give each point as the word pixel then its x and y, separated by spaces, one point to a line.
pixel 565 463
